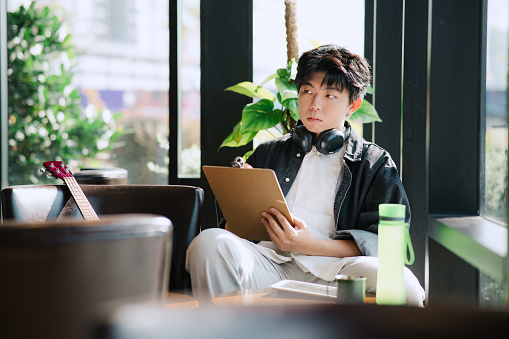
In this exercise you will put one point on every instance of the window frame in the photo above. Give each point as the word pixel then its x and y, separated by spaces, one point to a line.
pixel 443 67
pixel 219 109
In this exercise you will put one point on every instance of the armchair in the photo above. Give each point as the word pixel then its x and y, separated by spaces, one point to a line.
pixel 57 276
pixel 181 204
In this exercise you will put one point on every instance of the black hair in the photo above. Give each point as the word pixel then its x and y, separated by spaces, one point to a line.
pixel 343 69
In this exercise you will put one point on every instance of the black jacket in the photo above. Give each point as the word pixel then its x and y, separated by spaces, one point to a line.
pixel 370 178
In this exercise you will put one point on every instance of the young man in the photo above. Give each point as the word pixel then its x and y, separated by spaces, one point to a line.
pixel 333 181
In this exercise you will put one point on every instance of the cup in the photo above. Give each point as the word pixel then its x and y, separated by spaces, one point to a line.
pixel 351 289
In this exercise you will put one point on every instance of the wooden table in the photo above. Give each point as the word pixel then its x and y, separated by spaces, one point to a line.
pixel 262 296
pixel 269 296
pixel 180 301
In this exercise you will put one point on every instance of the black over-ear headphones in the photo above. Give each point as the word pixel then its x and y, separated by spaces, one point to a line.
pixel 328 142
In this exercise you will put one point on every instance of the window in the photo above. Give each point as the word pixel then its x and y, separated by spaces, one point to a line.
pixel 120 65
pixel 189 163
pixel 496 110
pixel 492 293
pixel 269 37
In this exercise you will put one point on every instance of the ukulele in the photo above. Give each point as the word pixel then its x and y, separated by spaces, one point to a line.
pixel 59 170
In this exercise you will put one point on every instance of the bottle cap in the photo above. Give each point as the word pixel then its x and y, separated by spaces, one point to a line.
pixel 392 212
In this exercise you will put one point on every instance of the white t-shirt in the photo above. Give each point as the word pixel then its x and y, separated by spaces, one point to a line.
pixel 311 199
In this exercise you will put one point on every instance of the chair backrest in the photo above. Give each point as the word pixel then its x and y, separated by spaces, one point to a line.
pixel 181 204
pixel 56 277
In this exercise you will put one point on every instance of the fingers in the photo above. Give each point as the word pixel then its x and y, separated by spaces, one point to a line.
pixel 285 223
pixel 267 221
pixel 278 222
pixel 271 224
pixel 299 223
pixel 273 236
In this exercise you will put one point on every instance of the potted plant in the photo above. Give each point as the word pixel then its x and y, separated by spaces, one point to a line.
pixel 277 114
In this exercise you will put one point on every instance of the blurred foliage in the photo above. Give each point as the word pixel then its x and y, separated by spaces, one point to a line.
pixel 46 121
pixel 496 184
pixel 189 164
pixel 492 292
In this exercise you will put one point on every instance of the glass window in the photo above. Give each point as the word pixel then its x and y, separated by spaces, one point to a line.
pixel 269 31
pixel 189 152
pixel 492 291
pixel 321 21
pixel 118 74
pixel 496 111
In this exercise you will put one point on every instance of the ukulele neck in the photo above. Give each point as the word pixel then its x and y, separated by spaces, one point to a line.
pixel 81 200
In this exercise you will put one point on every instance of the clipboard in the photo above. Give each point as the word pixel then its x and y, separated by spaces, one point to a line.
pixel 243 194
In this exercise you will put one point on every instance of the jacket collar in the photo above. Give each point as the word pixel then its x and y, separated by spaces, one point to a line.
pixel 354 146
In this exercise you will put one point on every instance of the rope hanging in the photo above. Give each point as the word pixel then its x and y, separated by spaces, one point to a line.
pixel 292 47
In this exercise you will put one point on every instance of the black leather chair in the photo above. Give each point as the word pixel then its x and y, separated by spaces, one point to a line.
pixel 57 277
pixel 181 204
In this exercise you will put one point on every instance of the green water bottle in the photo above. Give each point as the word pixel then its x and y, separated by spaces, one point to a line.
pixel 393 241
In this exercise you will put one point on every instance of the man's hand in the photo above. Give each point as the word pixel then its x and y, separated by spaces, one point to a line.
pixel 291 239
pixel 299 239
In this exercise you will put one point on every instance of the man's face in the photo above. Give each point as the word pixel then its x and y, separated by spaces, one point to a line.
pixel 322 108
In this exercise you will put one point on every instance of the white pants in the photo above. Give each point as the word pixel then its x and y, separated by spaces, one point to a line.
pixel 219 262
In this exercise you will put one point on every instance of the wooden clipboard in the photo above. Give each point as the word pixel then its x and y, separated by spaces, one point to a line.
pixel 243 194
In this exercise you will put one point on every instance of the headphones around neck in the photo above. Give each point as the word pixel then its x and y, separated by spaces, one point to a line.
pixel 328 142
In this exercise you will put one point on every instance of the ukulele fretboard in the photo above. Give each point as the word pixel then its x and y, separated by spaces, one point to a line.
pixel 81 200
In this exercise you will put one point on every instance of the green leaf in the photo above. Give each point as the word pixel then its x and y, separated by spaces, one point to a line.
pixel 75 94
pixel 67 40
pixel 248 154
pixel 237 133
pixel 117 115
pixel 370 90
pixel 314 43
pixel 287 90
pixel 249 89
pixel 293 105
pixel 260 115
pixel 238 137
pixel 282 73
pixel 268 79
pixel 366 113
